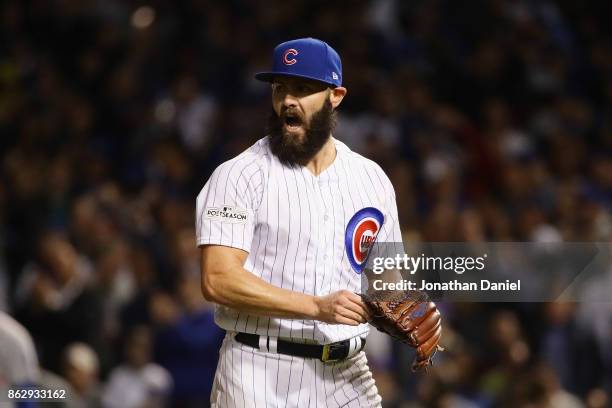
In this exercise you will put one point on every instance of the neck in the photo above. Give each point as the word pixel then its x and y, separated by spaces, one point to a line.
pixel 323 159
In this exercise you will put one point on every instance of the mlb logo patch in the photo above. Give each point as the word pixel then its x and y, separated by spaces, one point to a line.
pixel 360 236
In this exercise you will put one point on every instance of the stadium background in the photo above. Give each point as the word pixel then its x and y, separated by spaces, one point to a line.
pixel 492 118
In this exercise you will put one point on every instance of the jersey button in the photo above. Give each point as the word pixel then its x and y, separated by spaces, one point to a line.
pixel 324 257
pixel 326 217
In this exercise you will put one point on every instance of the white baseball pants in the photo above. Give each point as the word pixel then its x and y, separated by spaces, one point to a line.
pixel 247 377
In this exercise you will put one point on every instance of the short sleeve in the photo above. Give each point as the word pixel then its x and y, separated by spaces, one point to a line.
pixel 226 206
pixel 389 240
pixel 390 231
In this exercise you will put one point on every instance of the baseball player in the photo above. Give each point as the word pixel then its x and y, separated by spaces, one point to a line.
pixel 282 228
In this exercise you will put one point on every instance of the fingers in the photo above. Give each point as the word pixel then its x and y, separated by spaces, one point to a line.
pixel 356 305
pixel 345 320
pixel 346 316
pixel 343 307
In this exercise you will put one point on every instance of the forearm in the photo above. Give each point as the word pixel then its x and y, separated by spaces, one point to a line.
pixel 246 292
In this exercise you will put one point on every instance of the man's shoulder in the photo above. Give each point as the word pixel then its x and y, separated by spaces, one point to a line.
pixel 358 160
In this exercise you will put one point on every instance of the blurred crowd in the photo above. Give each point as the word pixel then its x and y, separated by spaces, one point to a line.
pixel 493 120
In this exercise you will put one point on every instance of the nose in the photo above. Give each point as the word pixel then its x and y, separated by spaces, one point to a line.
pixel 289 100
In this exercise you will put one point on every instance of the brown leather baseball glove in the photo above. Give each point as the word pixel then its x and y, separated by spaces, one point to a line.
pixel 409 317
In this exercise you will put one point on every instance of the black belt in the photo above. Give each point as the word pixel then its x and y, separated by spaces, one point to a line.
pixel 327 352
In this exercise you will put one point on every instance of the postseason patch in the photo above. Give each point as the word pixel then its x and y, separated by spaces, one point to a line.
pixel 360 235
pixel 229 214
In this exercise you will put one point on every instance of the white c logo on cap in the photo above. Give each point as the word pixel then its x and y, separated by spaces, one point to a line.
pixel 286 59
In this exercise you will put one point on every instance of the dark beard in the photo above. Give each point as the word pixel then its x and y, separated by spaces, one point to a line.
pixel 292 152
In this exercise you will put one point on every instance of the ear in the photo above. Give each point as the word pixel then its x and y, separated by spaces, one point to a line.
pixel 336 95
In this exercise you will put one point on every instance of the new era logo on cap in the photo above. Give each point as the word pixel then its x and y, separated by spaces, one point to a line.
pixel 305 58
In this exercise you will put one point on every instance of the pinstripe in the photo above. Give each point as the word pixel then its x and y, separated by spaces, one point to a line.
pixel 265 246
pixel 324 384
pixel 229 173
pixel 344 218
pixel 331 259
pixel 343 383
pixel 371 193
pixel 213 200
pixel 312 382
pixel 360 191
pixel 233 367
pixel 334 381
pixel 344 224
pixel 248 316
pixel 278 364
pixel 367 386
pixel 301 381
pixel 225 370
pixel 326 245
pixel 253 365
pixel 242 377
pixel 265 376
pixel 316 382
pixel 289 240
pixel 350 195
pixel 353 379
pixel 226 184
pixel 347 383
pixel 307 245
pixel 276 245
pixel 299 200
pixel 315 274
pixel 289 382
pixel 333 213
pixel 246 189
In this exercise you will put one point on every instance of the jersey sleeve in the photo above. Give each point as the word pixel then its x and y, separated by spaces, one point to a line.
pixel 227 205
pixel 390 231
pixel 389 240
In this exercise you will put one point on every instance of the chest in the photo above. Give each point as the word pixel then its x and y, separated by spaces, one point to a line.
pixel 300 208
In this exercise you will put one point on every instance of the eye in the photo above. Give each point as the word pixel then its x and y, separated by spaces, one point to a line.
pixel 276 87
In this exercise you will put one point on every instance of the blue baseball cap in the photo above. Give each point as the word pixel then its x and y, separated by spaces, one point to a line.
pixel 305 58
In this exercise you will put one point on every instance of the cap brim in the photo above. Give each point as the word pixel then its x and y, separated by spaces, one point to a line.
pixel 269 77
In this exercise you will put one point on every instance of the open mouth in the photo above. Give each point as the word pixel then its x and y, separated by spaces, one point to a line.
pixel 292 121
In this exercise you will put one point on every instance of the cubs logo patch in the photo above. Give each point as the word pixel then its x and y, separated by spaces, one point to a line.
pixel 287 60
pixel 360 236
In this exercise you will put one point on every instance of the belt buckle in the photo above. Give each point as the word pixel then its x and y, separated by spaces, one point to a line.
pixel 330 352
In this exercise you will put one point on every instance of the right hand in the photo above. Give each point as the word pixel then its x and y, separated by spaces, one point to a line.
pixel 342 307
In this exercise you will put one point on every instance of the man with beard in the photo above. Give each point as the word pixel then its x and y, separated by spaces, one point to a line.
pixel 284 229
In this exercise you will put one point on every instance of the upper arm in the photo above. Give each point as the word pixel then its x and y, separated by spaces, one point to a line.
pixel 227 205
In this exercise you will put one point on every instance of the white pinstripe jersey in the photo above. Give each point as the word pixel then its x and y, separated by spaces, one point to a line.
pixel 293 225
